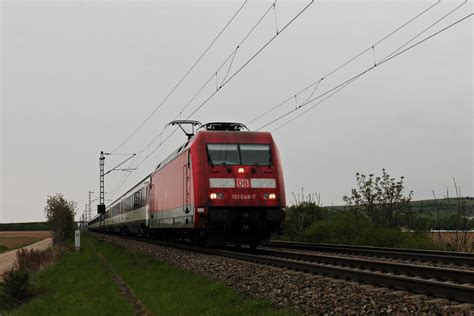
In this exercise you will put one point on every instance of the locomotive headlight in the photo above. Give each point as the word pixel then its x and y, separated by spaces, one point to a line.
pixel 269 196
pixel 214 196
pixel 241 170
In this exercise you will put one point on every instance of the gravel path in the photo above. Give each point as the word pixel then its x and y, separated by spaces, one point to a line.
pixel 310 294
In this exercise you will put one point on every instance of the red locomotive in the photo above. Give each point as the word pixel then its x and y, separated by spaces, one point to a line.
pixel 223 185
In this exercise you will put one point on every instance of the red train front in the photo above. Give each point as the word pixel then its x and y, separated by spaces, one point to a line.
pixel 223 185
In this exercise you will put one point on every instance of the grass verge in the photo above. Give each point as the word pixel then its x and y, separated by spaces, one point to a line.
pixel 80 285
pixel 166 290
pixel 76 285
pixel 3 248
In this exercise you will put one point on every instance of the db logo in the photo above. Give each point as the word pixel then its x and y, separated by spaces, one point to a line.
pixel 243 183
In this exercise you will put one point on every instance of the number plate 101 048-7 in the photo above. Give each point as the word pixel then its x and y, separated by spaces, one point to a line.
pixel 244 196
pixel 243 183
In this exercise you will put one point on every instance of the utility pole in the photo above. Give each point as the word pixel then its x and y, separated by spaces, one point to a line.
pixel 101 206
pixel 89 212
pixel 102 174
pixel 84 218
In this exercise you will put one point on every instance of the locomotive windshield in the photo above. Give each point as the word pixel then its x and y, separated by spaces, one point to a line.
pixel 223 154
pixel 239 154
pixel 255 155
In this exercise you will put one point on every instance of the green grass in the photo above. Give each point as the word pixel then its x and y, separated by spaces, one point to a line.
pixel 166 290
pixel 77 285
pixel 3 249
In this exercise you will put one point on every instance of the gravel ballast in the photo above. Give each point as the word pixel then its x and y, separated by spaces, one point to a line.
pixel 310 294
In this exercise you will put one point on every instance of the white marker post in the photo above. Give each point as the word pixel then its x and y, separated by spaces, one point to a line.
pixel 77 239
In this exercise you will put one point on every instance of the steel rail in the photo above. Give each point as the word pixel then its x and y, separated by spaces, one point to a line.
pixel 449 290
pixel 450 257
pixel 428 272
pixel 457 292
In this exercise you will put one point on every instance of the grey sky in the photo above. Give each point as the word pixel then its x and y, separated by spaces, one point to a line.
pixel 78 77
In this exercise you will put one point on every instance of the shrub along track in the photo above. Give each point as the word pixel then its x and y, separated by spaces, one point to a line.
pixel 410 280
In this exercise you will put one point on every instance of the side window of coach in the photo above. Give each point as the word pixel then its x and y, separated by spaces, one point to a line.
pixel 137 200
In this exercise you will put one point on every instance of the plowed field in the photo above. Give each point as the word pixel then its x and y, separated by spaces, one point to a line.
pixel 16 239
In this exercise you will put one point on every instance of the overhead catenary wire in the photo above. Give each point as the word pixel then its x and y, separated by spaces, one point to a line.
pixel 182 78
pixel 339 87
pixel 231 77
pixel 251 58
pixel 115 168
pixel 314 84
pixel 356 77
pixel 214 74
pixel 345 84
pixel 231 57
pixel 350 60
pixel 426 29
pixel 312 100
pixel 156 148
pixel 124 177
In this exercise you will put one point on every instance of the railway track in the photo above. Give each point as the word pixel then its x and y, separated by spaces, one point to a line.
pixel 453 284
pixel 447 257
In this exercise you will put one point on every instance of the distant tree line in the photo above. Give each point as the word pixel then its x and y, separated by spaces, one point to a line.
pixel 24 226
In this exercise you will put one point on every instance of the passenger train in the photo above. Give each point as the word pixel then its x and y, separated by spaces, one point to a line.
pixel 224 184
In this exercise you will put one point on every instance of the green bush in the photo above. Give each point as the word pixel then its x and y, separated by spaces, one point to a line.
pixel 300 216
pixel 352 229
pixel 17 286
pixel 15 289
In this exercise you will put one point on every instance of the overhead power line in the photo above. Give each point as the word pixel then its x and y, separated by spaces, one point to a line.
pixel 230 57
pixel 317 83
pixel 251 58
pixel 227 80
pixel 339 87
pixel 181 80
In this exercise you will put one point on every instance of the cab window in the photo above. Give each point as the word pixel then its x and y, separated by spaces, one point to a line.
pixel 223 154
pixel 239 154
pixel 255 154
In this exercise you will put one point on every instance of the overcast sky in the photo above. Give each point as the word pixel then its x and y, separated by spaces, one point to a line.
pixel 78 77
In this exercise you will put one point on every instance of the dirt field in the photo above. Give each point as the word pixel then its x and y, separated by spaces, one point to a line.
pixel 16 239
pixel 455 239
pixel 7 259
